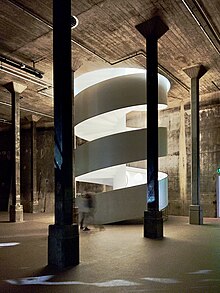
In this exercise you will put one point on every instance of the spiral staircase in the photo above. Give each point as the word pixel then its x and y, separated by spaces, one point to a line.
pixel 110 114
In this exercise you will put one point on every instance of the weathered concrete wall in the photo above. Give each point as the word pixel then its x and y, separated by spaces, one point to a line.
pixel 178 201
pixel 5 170
pixel 209 158
pixel 45 169
pixel 25 152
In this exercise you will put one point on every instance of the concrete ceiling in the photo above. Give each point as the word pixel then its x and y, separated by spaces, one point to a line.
pixel 106 37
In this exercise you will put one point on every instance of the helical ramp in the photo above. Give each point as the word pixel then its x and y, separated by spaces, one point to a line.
pixel 110 114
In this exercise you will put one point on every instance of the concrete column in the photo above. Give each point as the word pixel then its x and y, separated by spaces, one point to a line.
pixel 63 241
pixel 16 209
pixel 182 157
pixel 152 30
pixel 195 72
pixel 34 197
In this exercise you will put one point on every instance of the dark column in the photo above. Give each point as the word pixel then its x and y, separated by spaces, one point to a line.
pixel 63 242
pixel 16 209
pixel 152 30
pixel 75 208
pixel 34 196
pixel 195 73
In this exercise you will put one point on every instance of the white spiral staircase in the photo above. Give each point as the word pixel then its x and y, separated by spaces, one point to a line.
pixel 109 108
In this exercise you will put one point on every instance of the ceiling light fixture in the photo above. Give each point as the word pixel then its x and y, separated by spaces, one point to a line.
pixel 22 75
pixel 5 121
pixel 74 22
pixel 21 66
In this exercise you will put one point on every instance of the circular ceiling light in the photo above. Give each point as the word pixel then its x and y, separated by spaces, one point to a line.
pixel 74 22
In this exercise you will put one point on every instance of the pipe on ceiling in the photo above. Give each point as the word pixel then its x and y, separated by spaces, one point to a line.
pixel 207 21
pixel 161 69
pixel 211 26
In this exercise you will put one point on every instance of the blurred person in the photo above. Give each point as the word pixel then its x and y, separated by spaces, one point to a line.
pixel 87 211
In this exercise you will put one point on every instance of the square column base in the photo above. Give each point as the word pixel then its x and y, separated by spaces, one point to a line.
pixel 153 224
pixel 195 215
pixel 63 245
pixel 16 213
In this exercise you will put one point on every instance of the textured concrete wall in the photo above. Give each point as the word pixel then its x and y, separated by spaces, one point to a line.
pixel 178 202
pixel 25 169
pixel 5 170
pixel 209 158
pixel 45 169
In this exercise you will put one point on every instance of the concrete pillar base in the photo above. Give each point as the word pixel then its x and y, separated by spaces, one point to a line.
pixel 195 215
pixel 153 224
pixel 16 213
pixel 63 245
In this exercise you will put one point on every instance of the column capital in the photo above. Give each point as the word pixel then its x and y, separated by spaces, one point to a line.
pixel 197 70
pixel 154 27
pixel 14 87
pixel 34 118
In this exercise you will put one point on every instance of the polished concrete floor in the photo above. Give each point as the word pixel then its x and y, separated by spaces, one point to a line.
pixel 116 259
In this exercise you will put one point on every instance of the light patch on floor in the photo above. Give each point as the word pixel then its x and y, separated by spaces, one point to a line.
pixel 24 268
pixel 30 281
pixel 8 244
pixel 162 280
pixel 115 283
pixel 200 272
pixel 210 280
pixel 43 280
pixel 46 281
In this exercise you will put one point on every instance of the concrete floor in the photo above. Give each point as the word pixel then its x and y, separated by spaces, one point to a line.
pixel 117 259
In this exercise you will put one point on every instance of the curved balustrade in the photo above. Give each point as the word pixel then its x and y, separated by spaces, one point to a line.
pixel 102 111
pixel 117 149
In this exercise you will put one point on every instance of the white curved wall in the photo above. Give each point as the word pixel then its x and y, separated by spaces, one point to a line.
pixel 116 93
pixel 100 115
pixel 124 204
pixel 116 149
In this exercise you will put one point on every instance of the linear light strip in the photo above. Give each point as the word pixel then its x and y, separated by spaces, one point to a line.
pixel 21 66
pixel 21 75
